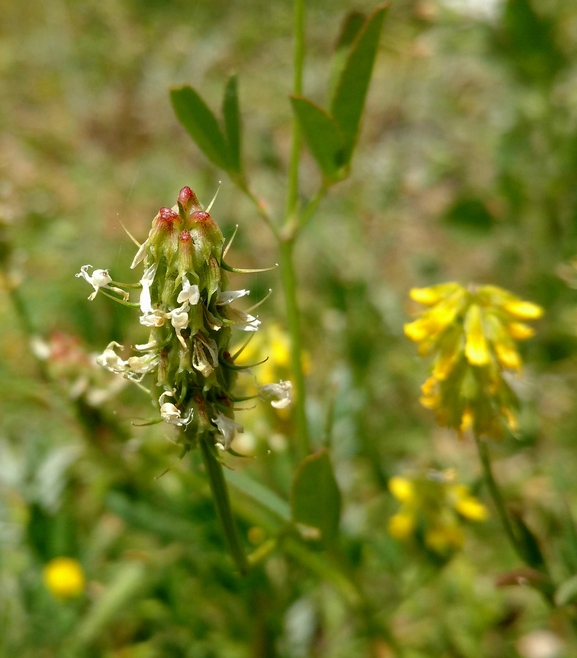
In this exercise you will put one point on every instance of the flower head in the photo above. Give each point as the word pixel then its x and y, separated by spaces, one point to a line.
pixel 186 305
pixel 472 334
pixel 433 509
pixel 64 577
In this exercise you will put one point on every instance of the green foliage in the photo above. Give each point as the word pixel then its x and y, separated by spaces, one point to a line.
pixel 202 126
pixel 322 135
pixel 349 98
pixel 315 496
pixel 464 170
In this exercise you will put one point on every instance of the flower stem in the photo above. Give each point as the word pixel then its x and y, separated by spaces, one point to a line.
pixel 495 493
pixel 287 242
pixel 293 320
pixel 222 504
pixel 293 173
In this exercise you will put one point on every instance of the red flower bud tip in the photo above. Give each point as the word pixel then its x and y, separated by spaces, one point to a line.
pixel 166 219
pixel 184 237
pixel 188 199
pixel 201 216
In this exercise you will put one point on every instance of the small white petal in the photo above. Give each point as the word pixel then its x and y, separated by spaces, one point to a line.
pixel 111 361
pixel 155 318
pixel 99 279
pixel 227 427
pixel 170 414
pixel 229 296
pixel 139 254
pixel 242 320
pixel 146 282
pixel 189 293
pixel 279 394
pixel 143 364
pixel 179 317
pixel 200 359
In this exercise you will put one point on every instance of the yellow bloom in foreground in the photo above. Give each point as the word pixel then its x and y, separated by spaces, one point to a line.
pixel 402 489
pixel 433 510
pixel 401 526
pixel 444 538
pixel 64 577
pixel 471 333
pixel 472 509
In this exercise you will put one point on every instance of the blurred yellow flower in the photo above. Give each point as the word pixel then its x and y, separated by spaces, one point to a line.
pixel 401 526
pixel 472 334
pixel 64 577
pixel 433 509
pixel 402 489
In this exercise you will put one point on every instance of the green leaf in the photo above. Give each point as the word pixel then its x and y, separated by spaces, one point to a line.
pixel 201 124
pixel 528 40
pixel 529 544
pixel 322 135
pixel 350 28
pixel 470 214
pixel 231 114
pixel 349 99
pixel 128 581
pixel 258 492
pixel 569 548
pixel 566 592
pixel 315 496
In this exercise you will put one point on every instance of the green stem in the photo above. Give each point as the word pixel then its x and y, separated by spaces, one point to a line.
pixel 293 320
pixel 293 173
pixel 222 503
pixel 287 242
pixel 312 205
pixel 259 205
pixel 497 497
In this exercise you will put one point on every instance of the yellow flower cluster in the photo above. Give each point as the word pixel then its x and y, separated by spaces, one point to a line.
pixel 64 577
pixel 433 508
pixel 272 342
pixel 472 334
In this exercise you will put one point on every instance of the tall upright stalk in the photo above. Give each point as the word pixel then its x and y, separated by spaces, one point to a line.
pixel 221 499
pixel 287 241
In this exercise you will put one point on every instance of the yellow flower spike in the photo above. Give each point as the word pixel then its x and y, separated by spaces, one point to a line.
pixel 433 294
pixel 520 330
pixel 476 349
pixel 279 347
pixel 401 525
pixel 466 420
pixel 402 489
pixel 508 356
pixel 429 387
pixel 523 310
pixel 431 402
pixel 425 296
pixel 472 509
pixel 510 418
pixel 443 537
pixel 471 334
pixel 64 577
pixel 416 330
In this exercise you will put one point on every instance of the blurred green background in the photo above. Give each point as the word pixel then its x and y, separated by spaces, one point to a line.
pixel 466 170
